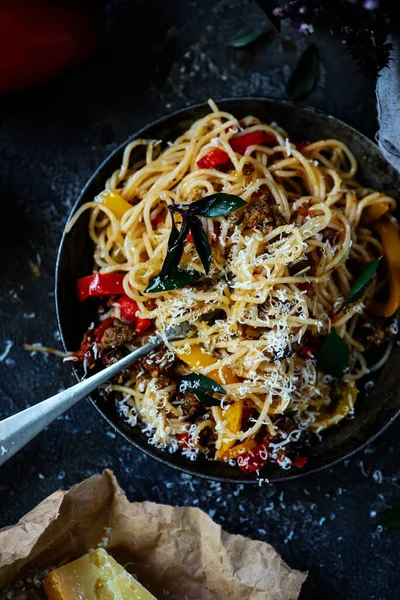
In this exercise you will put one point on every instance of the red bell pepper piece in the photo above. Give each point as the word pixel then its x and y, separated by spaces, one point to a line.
pixel 246 414
pixel 218 157
pixel 128 308
pixel 309 346
pixel 142 325
pixel 158 219
pixel 98 332
pixel 38 39
pixel 301 145
pixel 256 459
pixel 189 238
pixel 100 284
pixel 300 462
pixel 184 441
pixel 240 143
pixel 215 158
pixel 306 287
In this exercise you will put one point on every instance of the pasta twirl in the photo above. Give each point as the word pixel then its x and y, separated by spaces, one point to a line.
pixel 281 267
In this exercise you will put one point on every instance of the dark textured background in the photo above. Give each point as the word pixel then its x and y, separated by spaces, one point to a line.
pixel 51 139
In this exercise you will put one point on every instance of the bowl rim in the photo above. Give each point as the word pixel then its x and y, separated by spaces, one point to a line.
pixel 147 448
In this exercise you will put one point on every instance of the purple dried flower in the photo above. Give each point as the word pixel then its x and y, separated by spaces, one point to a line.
pixel 362 25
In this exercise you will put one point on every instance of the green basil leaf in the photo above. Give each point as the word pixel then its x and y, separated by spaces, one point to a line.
pixel 174 280
pixel 363 282
pixel 201 242
pixel 333 357
pixel 248 39
pixel 304 78
pixel 216 205
pixel 391 519
pixel 195 382
pixel 206 399
pixel 175 249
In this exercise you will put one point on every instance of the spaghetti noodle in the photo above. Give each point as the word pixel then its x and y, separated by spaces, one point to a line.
pixel 281 268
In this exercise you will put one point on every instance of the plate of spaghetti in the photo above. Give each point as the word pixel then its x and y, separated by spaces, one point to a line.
pixel 270 228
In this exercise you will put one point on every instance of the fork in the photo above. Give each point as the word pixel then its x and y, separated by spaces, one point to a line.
pixel 19 429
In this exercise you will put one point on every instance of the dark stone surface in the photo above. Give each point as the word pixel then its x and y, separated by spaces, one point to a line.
pixel 51 139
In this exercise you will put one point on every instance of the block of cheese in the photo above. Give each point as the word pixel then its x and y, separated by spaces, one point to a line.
pixel 95 576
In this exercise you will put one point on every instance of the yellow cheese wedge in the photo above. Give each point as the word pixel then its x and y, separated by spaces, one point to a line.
pixel 95 576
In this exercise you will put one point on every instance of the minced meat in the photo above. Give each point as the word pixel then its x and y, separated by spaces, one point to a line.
pixel 188 404
pixel 114 356
pixel 117 335
pixel 263 215
pixel 157 362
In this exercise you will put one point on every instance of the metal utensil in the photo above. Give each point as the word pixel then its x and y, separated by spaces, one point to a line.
pixel 19 429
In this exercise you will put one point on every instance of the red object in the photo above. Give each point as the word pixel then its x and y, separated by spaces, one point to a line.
pixel 246 414
pixel 100 284
pixel 301 145
pixel 240 143
pixel 304 210
pixel 300 462
pixel 213 159
pixel 86 349
pixel 128 308
pixel 142 325
pixel 158 219
pixel 309 346
pixel 307 351
pixel 98 332
pixel 306 287
pixel 217 231
pixel 218 157
pixel 256 459
pixel 183 440
pixel 189 238
pixel 38 39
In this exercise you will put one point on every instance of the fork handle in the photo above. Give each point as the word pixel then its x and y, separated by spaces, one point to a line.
pixel 19 429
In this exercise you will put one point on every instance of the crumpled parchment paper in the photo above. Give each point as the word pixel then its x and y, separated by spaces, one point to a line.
pixel 178 553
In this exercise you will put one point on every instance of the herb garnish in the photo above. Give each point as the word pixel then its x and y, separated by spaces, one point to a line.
pixel 201 386
pixel 362 282
pixel 172 276
pixel 333 358
pixel 304 77
pixel 391 518
pixel 248 39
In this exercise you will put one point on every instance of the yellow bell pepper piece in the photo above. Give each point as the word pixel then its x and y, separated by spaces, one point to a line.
pixel 240 449
pixel 115 202
pixel 331 415
pixel 390 239
pixel 375 212
pixel 198 359
pixel 233 415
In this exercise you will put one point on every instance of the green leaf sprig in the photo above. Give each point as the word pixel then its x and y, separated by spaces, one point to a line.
pixel 201 386
pixel 172 276
pixel 333 357
pixel 304 77
pixel 248 39
pixel 362 283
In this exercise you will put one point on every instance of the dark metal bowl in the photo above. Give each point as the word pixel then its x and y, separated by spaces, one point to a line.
pixel 374 412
